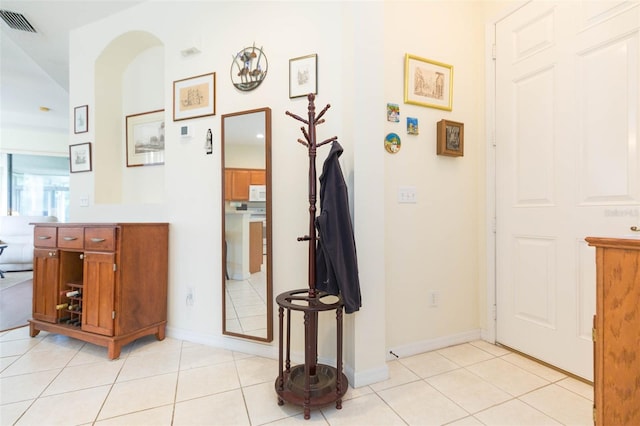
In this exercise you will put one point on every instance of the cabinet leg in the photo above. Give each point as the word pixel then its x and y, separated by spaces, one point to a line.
pixel 114 350
pixel 160 334
pixel 307 413
pixel 33 331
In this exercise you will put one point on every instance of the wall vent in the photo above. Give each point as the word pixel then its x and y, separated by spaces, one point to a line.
pixel 17 21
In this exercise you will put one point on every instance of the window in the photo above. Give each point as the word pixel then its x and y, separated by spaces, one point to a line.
pixel 38 185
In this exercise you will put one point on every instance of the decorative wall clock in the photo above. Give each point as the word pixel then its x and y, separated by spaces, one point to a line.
pixel 249 68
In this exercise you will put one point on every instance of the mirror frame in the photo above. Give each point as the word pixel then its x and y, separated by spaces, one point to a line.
pixel 269 274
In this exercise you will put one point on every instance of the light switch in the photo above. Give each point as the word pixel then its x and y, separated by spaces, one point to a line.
pixel 407 194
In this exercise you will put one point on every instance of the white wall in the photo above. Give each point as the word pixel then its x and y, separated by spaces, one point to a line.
pixel 404 251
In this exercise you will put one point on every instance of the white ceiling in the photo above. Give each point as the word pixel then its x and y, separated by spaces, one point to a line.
pixel 34 68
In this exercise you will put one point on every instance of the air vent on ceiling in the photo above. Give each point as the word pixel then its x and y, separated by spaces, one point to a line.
pixel 17 21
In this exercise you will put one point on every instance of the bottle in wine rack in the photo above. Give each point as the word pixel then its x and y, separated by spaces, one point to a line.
pixel 62 306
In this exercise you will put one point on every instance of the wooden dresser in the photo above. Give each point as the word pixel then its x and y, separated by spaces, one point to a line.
pixel 617 332
pixel 104 283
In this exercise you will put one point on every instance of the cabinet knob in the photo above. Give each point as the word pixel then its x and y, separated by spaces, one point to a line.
pixel 81 255
pixel 635 228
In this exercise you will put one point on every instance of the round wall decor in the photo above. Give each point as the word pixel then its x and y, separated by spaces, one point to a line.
pixel 392 143
pixel 249 68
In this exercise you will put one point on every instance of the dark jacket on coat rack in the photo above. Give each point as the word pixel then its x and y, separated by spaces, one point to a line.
pixel 336 260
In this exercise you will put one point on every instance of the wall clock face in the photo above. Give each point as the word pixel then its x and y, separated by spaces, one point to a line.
pixel 249 68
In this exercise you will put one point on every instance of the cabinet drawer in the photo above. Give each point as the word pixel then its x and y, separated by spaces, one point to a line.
pixel 70 238
pixel 44 236
pixel 100 239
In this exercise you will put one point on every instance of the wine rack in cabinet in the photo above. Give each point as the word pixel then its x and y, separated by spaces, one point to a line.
pixel 101 283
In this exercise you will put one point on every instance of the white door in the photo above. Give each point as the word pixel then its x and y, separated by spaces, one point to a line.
pixel 567 167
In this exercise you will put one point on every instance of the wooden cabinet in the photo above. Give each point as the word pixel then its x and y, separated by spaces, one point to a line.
pixel 237 181
pixel 101 283
pixel 617 332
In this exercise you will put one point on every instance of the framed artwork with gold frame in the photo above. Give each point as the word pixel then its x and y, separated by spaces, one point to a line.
pixel 428 83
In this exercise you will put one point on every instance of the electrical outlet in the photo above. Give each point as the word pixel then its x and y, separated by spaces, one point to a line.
pixel 84 201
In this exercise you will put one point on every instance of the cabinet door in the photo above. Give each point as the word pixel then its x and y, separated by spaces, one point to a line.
pixel 46 265
pixel 240 185
pixel 228 184
pixel 258 177
pixel 98 295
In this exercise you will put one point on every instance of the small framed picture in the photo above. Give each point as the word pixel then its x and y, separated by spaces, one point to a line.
pixel 412 126
pixel 428 83
pixel 194 97
pixel 80 157
pixel 450 138
pixel 81 119
pixel 303 76
pixel 145 138
pixel 393 113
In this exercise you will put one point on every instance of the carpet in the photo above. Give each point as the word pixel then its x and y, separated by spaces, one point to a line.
pixel 15 303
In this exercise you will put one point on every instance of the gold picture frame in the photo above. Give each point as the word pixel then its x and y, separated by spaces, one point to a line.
pixel 194 97
pixel 145 138
pixel 303 76
pixel 450 138
pixel 428 83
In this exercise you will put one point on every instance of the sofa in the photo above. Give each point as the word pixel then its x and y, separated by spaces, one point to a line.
pixel 17 233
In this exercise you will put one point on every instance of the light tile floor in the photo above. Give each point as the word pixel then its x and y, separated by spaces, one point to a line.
pixel 52 379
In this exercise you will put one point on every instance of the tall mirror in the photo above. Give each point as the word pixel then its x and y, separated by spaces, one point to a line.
pixel 246 225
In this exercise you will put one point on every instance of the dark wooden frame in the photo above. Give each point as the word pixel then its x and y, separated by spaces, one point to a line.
pixel 73 152
pixel 448 144
pixel 205 111
pixel 76 112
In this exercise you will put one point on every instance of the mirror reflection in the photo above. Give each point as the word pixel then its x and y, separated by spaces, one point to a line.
pixel 246 224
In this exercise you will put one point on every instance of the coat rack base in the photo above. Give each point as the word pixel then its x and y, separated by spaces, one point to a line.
pixel 311 384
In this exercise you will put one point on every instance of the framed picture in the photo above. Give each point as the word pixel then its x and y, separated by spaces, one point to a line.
pixel 145 138
pixel 194 97
pixel 303 76
pixel 428 83
pixel 450 138
pixel 81 119
pixel 80 157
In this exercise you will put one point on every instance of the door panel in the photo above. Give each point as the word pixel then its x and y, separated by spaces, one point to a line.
pixel 98 293
pixel 567 166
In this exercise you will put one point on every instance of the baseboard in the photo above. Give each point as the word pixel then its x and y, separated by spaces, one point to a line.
pixel 267 350
pixel 432 344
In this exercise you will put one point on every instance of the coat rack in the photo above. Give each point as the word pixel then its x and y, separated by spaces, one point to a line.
pixel 311 384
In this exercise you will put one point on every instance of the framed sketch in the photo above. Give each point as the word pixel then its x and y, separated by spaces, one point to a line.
pixel 80 157
pixel 81 119
pixel 450 138
pixel 145 138
pixel 194 97
pixel 303 76
pixel 428 83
